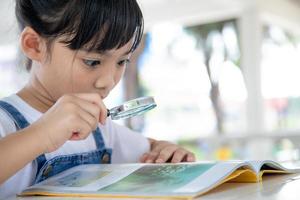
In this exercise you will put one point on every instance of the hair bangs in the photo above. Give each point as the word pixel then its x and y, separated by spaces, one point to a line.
pixel 117 24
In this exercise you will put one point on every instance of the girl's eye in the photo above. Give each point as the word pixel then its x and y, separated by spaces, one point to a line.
pixel 124 62
pixel 91 63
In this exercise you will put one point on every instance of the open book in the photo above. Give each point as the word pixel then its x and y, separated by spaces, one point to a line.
pixel 183 180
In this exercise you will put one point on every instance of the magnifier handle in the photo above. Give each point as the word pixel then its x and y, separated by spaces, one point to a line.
pixel 108 113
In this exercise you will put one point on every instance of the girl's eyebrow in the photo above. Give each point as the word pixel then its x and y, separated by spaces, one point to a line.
pixel 105 53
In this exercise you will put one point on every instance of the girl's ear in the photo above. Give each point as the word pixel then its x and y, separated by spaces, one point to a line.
pixel 32 44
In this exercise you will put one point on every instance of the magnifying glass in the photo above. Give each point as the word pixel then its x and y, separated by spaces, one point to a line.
pixel 132 108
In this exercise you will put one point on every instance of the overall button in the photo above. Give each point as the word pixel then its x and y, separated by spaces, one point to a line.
pixel 105 158
pixel 47 170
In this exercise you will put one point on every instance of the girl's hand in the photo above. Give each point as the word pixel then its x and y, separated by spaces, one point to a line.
pixel 72 117
pixel 163 151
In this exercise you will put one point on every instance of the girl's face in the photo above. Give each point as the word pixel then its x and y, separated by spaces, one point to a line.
pixel 68 71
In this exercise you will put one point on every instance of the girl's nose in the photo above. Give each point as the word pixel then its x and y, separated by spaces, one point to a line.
pixel 110 83
pixel 106 80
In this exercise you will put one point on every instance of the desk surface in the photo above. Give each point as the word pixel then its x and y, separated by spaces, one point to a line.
pixel 281 187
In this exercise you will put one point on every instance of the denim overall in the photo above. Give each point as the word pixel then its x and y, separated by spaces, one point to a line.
pixel 48 168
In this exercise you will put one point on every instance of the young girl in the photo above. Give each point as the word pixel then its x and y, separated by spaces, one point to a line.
pixel 77 52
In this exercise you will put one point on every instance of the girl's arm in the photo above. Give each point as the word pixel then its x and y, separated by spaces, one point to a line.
pixel 72 117
pixel 17 150
pixel 164 151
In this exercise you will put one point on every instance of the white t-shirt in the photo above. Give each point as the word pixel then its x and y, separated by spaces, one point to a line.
pixel 127 145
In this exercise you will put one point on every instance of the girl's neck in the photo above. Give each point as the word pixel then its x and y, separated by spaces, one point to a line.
pixel 36 95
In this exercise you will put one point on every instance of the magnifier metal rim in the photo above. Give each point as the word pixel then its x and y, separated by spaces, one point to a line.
pixel 135 103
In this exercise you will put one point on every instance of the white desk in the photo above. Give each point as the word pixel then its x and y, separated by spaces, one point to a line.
pixel 275 187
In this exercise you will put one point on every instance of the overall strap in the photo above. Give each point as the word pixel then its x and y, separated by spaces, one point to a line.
pixel 14 114
pixel 20 123
pixel 41 160
pixel 98 138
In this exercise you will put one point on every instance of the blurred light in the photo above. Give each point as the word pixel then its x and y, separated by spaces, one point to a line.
pixel 231 82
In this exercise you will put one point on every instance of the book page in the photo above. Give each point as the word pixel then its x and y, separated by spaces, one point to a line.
pixel 160 179
pixel 259 165
pixel 182 179
pixel 90 177
pixel 220 172
pixel 256 164
pixel 138 179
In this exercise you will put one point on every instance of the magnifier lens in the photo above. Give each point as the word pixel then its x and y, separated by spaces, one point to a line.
pixel 132 112
pixel 132 108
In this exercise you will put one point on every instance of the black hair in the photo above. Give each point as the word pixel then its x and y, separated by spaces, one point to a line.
pixel 92 25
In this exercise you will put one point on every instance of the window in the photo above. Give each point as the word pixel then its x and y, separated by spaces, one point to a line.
pixel 193 99
pixel 280 79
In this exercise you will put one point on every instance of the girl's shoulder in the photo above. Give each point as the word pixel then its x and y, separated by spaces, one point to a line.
pixel 17 107
pixel 7 124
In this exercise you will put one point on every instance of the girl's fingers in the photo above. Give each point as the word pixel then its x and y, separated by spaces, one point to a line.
pixel 161 145
pixel 166 153
pixel 151 157
pixel 179 155
pixel 103 113
pixel 95 99
pixel 82 130
pixel 91 120
pixel 87 111
pixel 87 106
pixel 91 97
pixel 190 157
pixel 171 153
pixel 143 157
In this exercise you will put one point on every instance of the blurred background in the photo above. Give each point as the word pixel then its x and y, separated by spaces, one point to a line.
pixel 225 75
